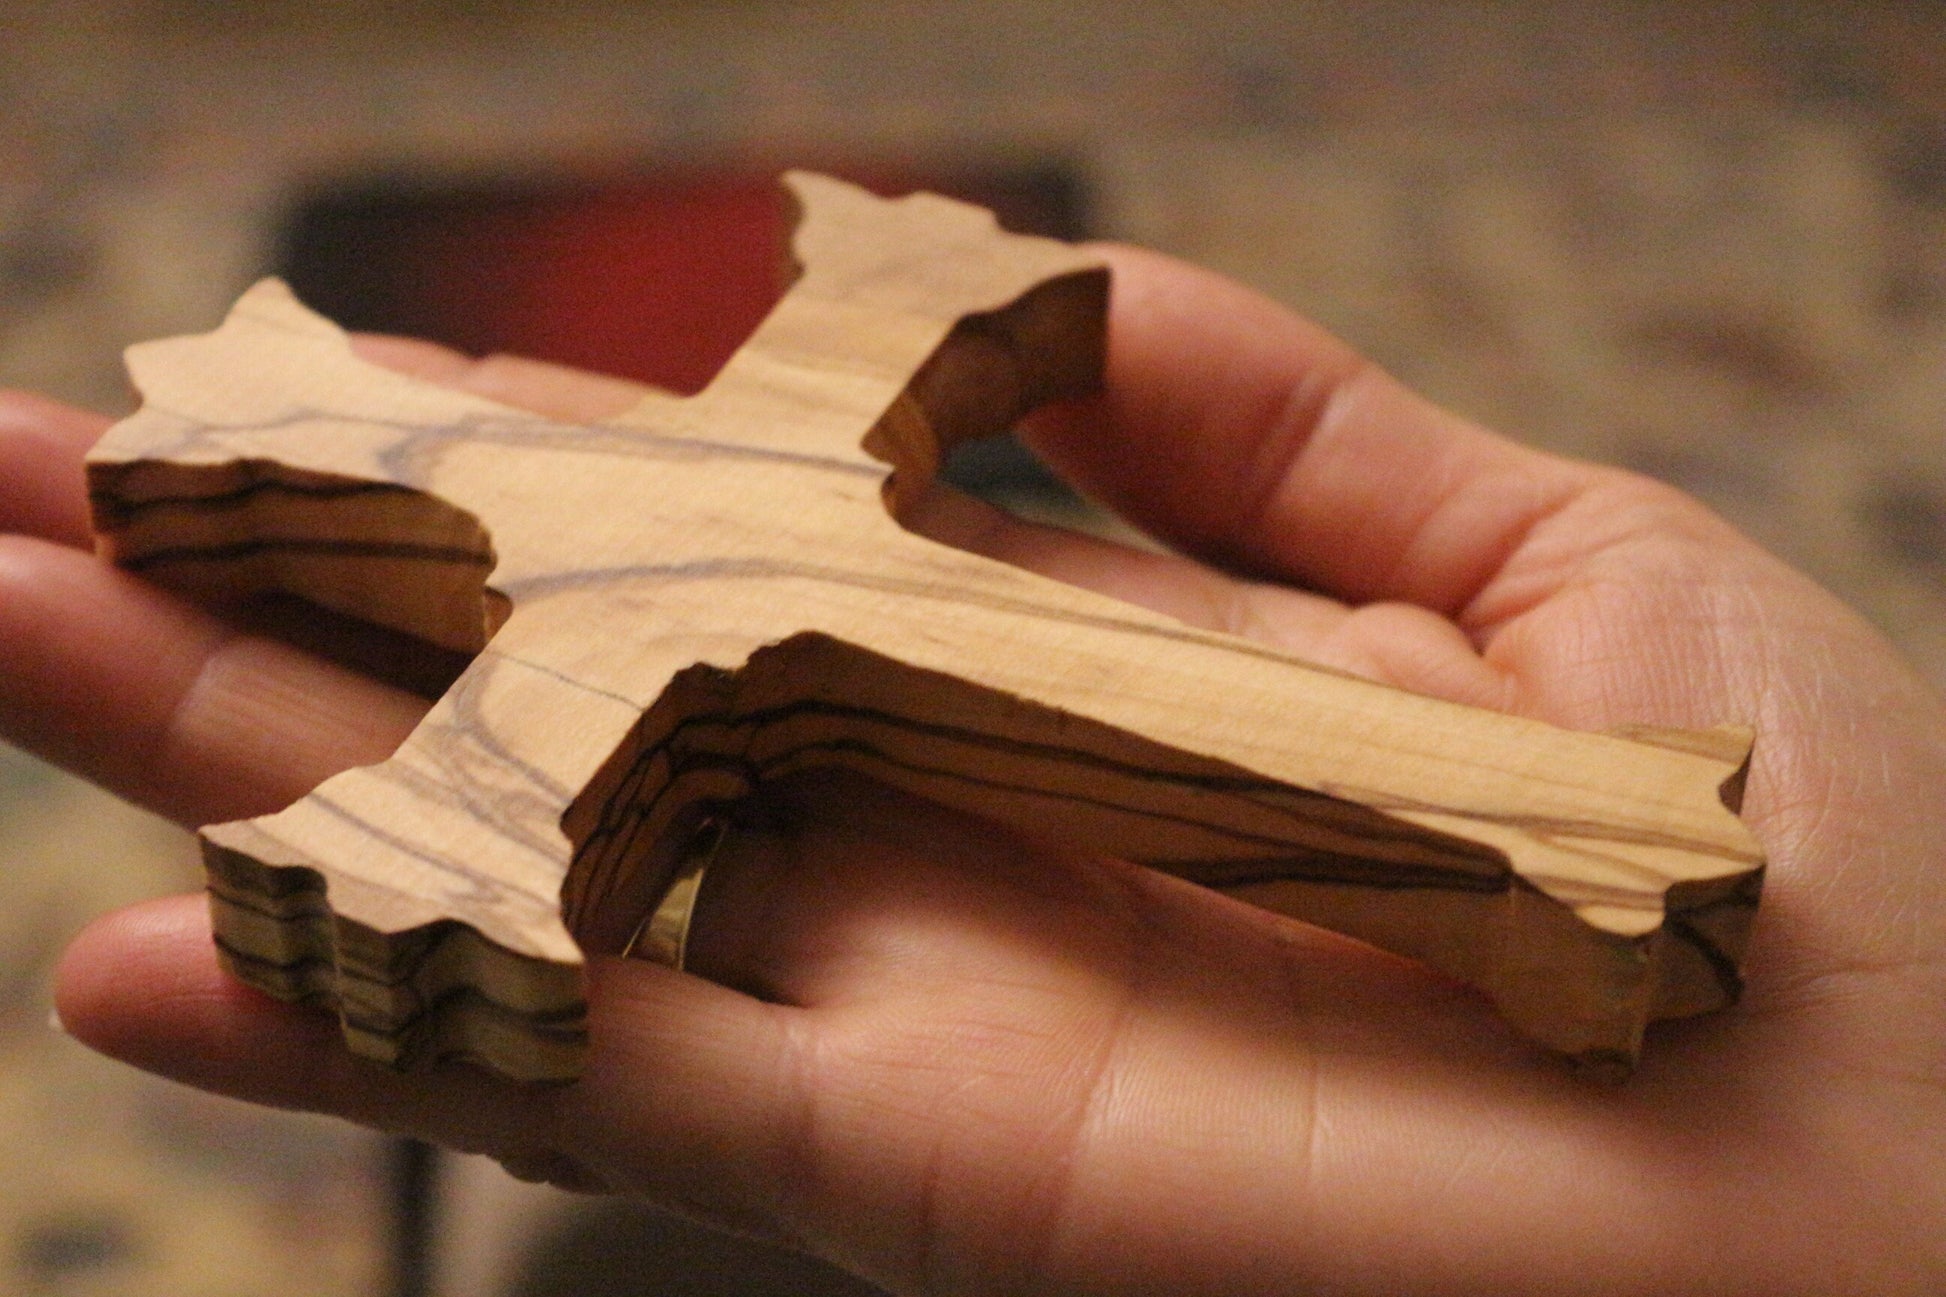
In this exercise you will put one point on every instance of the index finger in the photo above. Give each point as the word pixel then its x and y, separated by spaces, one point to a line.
pixel 42 492
pixel 1239 432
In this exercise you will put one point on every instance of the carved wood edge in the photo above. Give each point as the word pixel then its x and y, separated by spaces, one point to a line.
pixel 703 595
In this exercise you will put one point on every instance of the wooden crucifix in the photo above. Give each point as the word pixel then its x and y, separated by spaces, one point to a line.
pixel 671 607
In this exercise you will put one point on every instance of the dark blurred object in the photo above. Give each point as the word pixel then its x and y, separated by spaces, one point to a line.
pixel 625 1249
pixel 414 1173
pixel 657 277
pixel 1907 520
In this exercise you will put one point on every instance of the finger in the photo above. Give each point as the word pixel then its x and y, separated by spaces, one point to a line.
pixel 1394 642
pixel 556 391
pixel 42 492
pixel 828 1124
pixel 1243 434
pixel 826 1129
pixel 1025 1044
pixel 687 1092
pixel 167 705
pixel 414 357
pixel 1178 587
pixel 143 985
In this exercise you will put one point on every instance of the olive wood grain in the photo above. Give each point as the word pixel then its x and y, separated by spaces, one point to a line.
pixel 674 606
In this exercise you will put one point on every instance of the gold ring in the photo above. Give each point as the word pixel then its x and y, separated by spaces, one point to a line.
pixel 663 936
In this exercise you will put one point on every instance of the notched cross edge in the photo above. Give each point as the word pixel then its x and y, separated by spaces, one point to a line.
pixel 913 325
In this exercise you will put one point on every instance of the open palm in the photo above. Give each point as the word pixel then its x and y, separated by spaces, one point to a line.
pixel 953 1061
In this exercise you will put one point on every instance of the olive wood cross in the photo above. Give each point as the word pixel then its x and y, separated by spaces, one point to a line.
pixel 707 593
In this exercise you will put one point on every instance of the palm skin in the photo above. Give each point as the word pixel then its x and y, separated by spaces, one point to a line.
pixel 958 1063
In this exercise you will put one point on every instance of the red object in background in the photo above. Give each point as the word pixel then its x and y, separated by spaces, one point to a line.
pixel 658 277
pixel 658 283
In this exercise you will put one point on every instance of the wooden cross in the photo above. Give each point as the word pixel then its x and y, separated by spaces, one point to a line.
pixel 671 607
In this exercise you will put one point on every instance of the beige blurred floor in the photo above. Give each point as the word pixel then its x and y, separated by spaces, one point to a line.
pixel 1704 240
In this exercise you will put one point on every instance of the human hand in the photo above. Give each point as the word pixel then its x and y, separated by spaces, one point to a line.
pixel 974 1065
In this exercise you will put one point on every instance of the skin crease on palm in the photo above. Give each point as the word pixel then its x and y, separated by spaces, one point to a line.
pixel 958 1063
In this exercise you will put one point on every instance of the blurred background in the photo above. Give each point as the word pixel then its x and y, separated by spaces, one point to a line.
pixel 1703 240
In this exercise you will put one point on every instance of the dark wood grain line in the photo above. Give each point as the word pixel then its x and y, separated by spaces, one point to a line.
pixel 405 980
pixel 493 654
pixel 312 981
pixel 613 843
pixel 1381 869
pixel 417 447
pixel 273 882
pixel 752 773
pixel 405 847
pixel 566 1023
pixel 1318 806
pixel 119 510
pixel 421 445
pixel 1407 875
pixel 319 911
pixel 470 725
pixel 1548 829
pixel 233 551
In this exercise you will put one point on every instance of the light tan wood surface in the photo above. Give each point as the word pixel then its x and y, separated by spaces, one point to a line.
pixel 675 606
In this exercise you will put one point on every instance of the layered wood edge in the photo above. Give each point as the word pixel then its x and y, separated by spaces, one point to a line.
pixel 685 604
